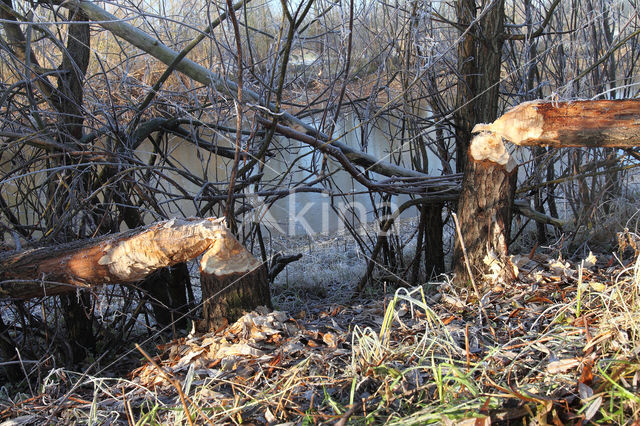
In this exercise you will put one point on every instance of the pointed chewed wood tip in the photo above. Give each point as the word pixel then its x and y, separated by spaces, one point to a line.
pixel 226 256
pixel 519 125
pixel 488 146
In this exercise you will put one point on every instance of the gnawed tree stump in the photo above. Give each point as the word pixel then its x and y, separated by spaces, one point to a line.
pixel 486 200
pixel 232 281
pixel 484 209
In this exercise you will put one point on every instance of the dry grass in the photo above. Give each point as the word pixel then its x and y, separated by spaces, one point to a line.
pixel 561 346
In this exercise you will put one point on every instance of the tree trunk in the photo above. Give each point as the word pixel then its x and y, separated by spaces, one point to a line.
pixel 487 188
pixel 433 247
pixel 8 353
pixel 589 124
pixel 464 114
pixel 485 209
pixel 78 315
pixel 233 282
pixel 118 258
pixel 167 289
pixel 78 319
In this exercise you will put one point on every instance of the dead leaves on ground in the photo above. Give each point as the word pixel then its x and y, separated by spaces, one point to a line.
pixel 553 347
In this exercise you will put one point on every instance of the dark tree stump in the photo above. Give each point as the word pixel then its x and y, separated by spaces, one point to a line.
pixel 78 319
pixel 167 288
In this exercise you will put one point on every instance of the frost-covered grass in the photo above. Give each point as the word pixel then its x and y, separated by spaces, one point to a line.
pixel 328 270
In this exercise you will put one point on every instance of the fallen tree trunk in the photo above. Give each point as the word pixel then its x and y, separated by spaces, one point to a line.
pixel 119 258
pixel 589 124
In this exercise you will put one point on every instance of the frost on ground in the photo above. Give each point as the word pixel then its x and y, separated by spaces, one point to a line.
pixel 330 267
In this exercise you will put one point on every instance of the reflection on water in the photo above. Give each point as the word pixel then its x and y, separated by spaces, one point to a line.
pixel 309 213
pixel 343 199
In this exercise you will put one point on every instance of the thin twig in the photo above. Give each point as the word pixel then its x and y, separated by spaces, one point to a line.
pixel 473 281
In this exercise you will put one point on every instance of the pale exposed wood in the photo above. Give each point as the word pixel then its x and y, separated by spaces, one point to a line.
pixel 597 123
pixel 226 256
pixel 120 258
pixel 489 147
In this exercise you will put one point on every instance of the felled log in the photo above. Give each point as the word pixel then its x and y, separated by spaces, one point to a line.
pixel 125 257
pixel 590 124
pixel 486 199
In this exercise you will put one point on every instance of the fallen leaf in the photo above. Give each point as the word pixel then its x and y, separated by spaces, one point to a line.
pixel 586 377
pixel 453 301
pixel 330 339
pixel 185 360
pixel 472 421
pixel 448 319
pixel 561 268
pixel 584 391
pixel 22 420
pixel 269 417
pixel 562 365
pixel 593 408
pixel 238 349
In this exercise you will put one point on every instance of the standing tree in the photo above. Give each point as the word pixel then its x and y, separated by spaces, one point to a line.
pixel 486 198
pixel 488 185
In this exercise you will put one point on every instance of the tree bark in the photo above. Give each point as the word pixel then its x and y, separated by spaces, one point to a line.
pixel 433 246
pixel 8 352
pixel 464 115
pixel 118 258
pixel 233 281
pixel 589 124
pixel 485 209
pixel 68 99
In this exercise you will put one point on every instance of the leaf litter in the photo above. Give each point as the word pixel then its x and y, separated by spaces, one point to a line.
pixel 560 345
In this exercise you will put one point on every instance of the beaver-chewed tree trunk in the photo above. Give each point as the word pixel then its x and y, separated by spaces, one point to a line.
pixel 589 124
pixel 233 282
pixel 484 210
pixel 125 257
